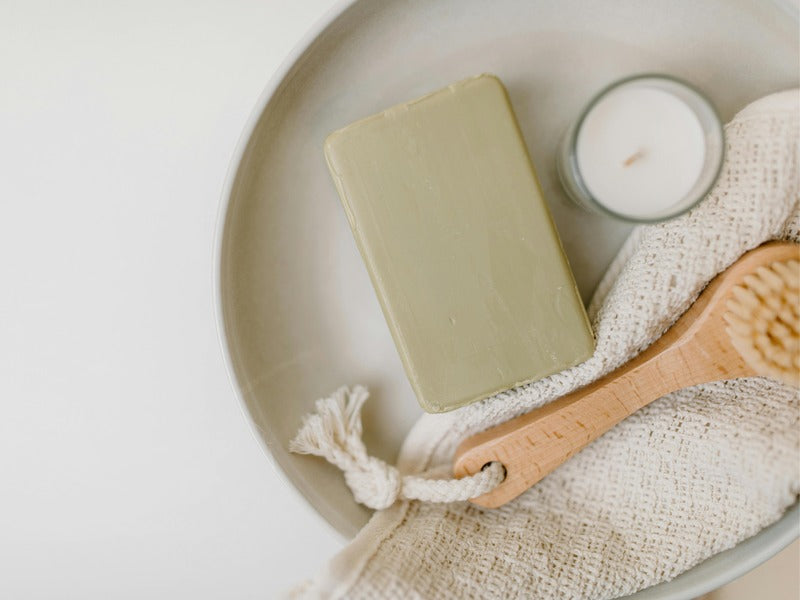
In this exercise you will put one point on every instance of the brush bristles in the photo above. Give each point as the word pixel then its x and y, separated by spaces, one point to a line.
pixel 764 321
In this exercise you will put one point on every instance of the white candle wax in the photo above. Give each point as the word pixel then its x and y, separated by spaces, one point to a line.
pixel 640 150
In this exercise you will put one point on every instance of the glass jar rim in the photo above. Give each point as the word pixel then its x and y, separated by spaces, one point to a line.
pixel 605 91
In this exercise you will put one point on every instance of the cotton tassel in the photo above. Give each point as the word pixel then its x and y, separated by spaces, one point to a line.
pixel 334 433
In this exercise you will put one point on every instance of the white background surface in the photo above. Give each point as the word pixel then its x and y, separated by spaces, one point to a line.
pixel 126 467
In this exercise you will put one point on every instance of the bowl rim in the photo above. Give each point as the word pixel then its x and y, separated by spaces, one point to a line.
pixel 273 84
pixel 722 567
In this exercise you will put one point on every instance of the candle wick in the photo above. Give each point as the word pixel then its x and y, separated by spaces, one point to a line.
pixel 633 158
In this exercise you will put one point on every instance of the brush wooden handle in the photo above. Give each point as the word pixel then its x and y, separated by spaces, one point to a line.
pixel 695 350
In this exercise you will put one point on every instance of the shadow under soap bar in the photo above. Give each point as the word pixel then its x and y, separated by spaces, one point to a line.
pixel 466 262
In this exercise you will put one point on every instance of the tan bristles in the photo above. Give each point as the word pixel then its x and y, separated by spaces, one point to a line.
pixel 764 320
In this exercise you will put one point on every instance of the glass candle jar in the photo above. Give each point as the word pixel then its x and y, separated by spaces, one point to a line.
pixel 645 149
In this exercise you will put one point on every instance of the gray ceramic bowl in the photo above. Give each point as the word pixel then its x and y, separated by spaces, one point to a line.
pixel 297 314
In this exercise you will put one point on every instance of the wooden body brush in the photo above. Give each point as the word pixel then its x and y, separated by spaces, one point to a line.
pixel 745 323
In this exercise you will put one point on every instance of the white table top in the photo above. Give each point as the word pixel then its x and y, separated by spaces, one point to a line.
pixel 126 467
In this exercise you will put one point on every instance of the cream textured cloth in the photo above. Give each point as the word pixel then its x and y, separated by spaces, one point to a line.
pixel 691 475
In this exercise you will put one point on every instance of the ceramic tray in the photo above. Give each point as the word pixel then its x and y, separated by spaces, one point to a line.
pixel 298 316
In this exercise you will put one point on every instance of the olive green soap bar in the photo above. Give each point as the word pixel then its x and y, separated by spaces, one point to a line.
pixel 446 210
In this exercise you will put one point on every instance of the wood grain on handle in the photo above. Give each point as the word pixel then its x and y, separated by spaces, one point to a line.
pixel 695 350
